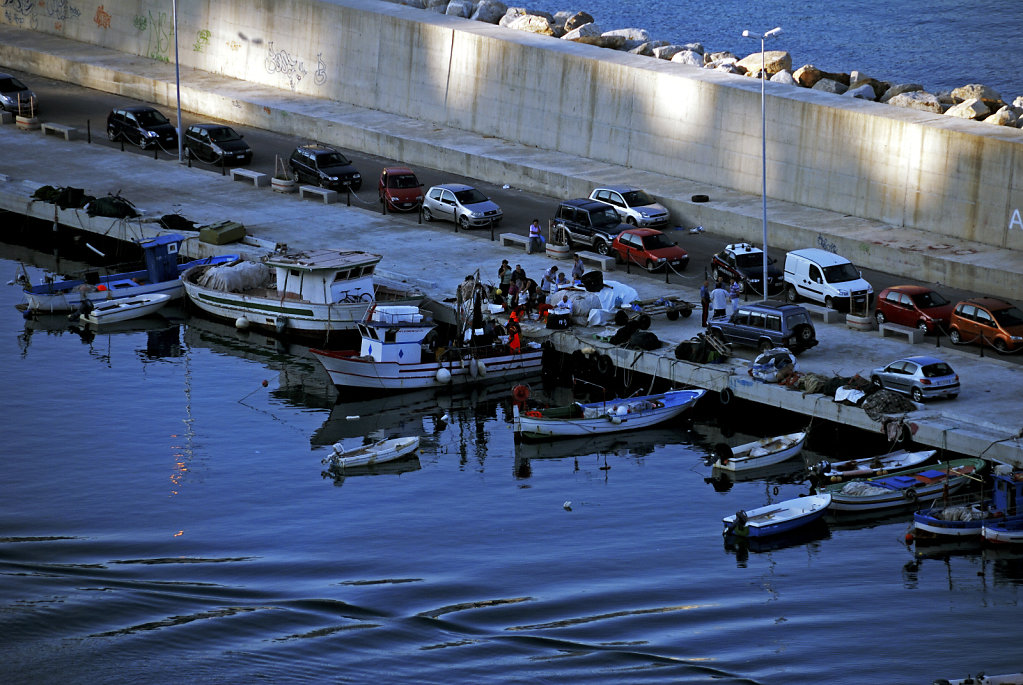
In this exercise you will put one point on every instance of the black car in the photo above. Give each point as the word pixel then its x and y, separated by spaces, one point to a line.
pixel 142 126
pixel 765 325
pixel 212 143
pixel 588 222
pixel 324 166
pixel 745 263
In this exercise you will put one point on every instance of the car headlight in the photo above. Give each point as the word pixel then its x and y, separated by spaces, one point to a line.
pixel 1016 338
pixel 6 99
pixel 332 178
pixel 843 293
pixel 356 175
pixel 661 259
pixel 753 280
pixel 149 134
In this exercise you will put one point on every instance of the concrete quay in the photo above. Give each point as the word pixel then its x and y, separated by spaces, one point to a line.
pixel 985 420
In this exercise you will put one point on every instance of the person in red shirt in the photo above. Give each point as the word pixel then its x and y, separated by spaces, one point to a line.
pixel 514 341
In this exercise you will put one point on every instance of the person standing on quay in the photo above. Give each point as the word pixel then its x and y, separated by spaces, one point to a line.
pixel 705 301
pixel 734 291
pixel 534 237
pixel 719 301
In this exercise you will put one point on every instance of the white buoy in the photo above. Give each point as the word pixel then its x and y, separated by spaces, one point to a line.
pixel 567 505
pixel 352 417
pixel 481 369
pixel 474 368
pixel 445 418
pixel 241 323
pixel 443 376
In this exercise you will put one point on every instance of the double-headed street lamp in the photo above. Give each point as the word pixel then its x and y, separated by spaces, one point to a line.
pixel 763 134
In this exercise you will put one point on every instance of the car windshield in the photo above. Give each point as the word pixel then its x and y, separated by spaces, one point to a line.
pixel 10 84
pixel 936 370
pixel 656 241
pixel 929 300
pixel 223 134
pixel 402 181
pixel 749 260
pixel 638 198
pixel 470 196
pixel 331 159
pixel 840 273
pixel 606 217
pixel 1007 318
pixel 150 117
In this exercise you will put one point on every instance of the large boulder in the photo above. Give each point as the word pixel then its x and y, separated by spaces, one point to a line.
pixel 587 33
pixel 976 91
pixel 1018 102
pixel 689 57
pixel 614 41
pixel 899 89
pixel 808 75
pixel 784 76
pixel 969 109
pixel 1005 116
pixel 576 20
pixel 917 99
pixel 725 66
pixel 827 85
pixel 630 34
pixel 533 23
pixel 667 51
pixel 879 87
pixel 459 8
pixel 863 91
pixel 490 11
pixel 417 4
pixel 772 61
pixel 719 56
pixel 647 49
pixel 695 47
pixel 438 6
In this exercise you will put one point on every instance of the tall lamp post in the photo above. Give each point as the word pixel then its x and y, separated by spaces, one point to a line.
pixel 177 76
pixel 763 134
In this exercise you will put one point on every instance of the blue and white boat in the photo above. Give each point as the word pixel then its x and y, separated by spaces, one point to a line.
pixel 966 517
pixel 161 275
pixel 775 519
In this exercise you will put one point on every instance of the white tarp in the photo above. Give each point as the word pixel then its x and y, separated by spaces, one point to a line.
pixel 595 308
pixel 235 278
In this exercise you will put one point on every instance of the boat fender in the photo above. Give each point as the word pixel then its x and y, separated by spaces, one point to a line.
pixel 615 419
pixel 911 494
pixel 605 367
pixel 725 396
pixel 520 393
pixel 474 368
pixel 481 369
pixel 241 323
pixel 534 414
pixel 443 376
pixel 281 324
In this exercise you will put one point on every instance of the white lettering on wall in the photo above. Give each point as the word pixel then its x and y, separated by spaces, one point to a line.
pixel 1015 221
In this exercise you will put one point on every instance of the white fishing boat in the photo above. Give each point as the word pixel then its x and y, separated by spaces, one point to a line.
pixel 378 452
pixel 395 356
pixel 905 488
pixel 775 519
pixel 899 460
pixel 759 453
pixel 311 293
pixel 594 418
pixel 123 308
pixel 161 276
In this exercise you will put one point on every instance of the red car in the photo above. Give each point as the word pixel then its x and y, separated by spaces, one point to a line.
pixel 649 248
pixel 400 188
pixel 915 306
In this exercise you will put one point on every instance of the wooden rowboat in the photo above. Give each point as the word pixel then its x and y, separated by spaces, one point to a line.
pixel 759 453
pixel 871 466
pixel 775 519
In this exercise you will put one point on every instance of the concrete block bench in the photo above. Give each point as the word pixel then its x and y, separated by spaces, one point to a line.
pixel 514 239
pixel 6 117
pixel 259 180
pixel 68 132
pixel 914 335
pixel 327 195
pixel 603 263
pixel 827 315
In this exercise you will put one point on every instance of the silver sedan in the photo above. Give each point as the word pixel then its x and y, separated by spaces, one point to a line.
pixel 462 204
pixel 920 377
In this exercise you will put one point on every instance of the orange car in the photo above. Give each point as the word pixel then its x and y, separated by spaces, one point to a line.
pixel 400 188
pixel 989 321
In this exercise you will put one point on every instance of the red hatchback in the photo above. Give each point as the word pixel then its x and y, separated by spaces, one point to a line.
pixel 649 248
pixel 400 188
pixel 915 306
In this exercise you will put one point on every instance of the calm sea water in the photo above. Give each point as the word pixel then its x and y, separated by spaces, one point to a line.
pixel 941 44
pixel 165 520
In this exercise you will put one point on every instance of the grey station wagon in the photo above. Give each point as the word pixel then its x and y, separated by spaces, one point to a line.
pixel 765 325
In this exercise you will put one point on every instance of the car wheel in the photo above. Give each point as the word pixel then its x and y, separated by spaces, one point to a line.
pixel 1000 346
pixel 876 382
pixel 601 247
pixel 791 295
pixel 917 394
pixel 111 134
pixel 829 303
pixel 804 333
pixel 463 222
pixel 715 274
pixel 880 317
pixel 630 221
pixel 427 214
pixel 922 327
pixel 953 335
pixel 650 266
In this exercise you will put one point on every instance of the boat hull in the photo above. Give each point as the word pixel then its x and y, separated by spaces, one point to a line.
pixel 541 428
pixel 777 519
pixel 377 453
pixel 746 457
pixel 125 309
pixel 1003 533
pixel 887 463
pixel 903 489
pixel 346 370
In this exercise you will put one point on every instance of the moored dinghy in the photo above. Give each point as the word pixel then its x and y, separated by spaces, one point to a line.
pixel 775 519
pixel 759 453
pixel 871 466
pixel 379 452
pixel 122 308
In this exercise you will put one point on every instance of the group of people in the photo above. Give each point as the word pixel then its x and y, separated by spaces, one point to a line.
pixel 516 291
pixel 725 294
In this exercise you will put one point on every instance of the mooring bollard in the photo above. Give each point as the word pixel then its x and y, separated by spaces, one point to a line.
pixel 88 132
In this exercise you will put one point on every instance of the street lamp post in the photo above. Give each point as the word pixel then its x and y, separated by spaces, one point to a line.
pixel 763 135
pixel 177 76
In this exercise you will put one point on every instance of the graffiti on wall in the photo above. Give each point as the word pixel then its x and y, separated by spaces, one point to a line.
pixel 825 244
pixel 102 18
pixel 320 77
pixel 61 10
pixel 1015 221
pixel 159 31
pixel 21 13
pixel 202 41
pixel 280 62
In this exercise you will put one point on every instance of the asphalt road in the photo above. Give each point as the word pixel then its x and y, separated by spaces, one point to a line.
pixel 67 103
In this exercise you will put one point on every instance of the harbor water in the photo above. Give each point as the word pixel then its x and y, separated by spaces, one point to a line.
pixel 940 44
pixel 165 519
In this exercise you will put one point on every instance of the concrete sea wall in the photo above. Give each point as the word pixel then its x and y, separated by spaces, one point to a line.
pixel 900 167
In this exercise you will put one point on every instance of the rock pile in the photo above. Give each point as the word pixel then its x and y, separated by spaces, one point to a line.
pixel 973 101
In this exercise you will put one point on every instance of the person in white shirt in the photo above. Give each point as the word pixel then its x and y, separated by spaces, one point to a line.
pixel 535 239
pixel 718 301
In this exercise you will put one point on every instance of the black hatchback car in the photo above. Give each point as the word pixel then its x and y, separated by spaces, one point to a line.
pixel 142 126
pixel 765 325
pixel 324 166
pixel 212 143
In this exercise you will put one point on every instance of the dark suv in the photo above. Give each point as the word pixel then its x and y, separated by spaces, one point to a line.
pixel 215 142
pixel 588 222
pixel 765 325
pixel 142 126
pixel 324 166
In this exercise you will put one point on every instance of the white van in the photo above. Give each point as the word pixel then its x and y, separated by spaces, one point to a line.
pixel 827 278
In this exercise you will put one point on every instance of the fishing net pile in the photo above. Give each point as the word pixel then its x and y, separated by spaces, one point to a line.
pixel 860 488
pixel 237 277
